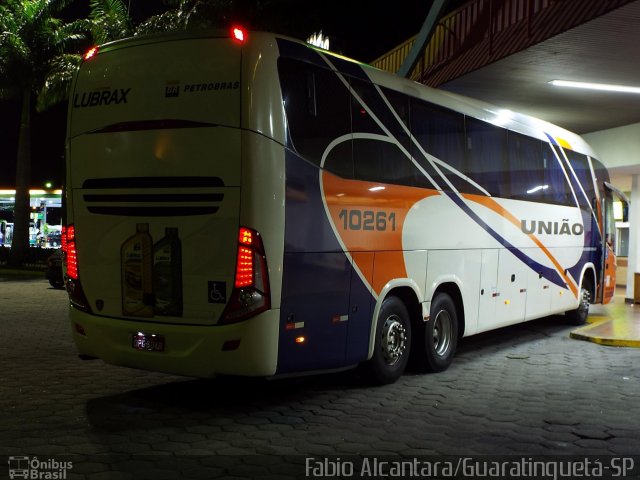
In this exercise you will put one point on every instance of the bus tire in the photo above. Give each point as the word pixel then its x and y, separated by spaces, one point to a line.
pixel 580 314
pixel 436 339
pixel 392 342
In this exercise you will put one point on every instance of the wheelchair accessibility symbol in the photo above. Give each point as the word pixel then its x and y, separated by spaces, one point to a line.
pixel 217 292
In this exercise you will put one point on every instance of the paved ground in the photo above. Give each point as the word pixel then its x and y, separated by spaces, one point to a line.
pixel 524 390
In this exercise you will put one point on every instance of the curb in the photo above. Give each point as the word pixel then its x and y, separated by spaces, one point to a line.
pixel 599 332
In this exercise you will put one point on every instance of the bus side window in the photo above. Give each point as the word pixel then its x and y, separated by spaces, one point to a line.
pixel 316 103
pixel 487 159
pixel 379 155
pixel 526 168
pixel 440 133
pixel 311 94
pixel 580 165
pixel 559 191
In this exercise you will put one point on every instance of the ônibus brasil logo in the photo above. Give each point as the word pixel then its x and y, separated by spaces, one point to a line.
pixel 33 468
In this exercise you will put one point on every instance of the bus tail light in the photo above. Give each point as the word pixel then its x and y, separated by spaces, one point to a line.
pixel 90 53
pixel 74 288
pixel 63 239
pixel 238 34
pixel 251 294
pixel 71 257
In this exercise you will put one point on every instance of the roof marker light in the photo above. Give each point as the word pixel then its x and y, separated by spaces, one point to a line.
pixel 90 53
pixel 239 34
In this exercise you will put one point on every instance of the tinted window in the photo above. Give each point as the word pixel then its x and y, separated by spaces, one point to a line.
pixel 526 168
pixel 602 175
pixel 559 191
pixel 400 104
pixel 317 106
pixel 380 154
pixel 580 165
pixel 440 133
pixel 487 158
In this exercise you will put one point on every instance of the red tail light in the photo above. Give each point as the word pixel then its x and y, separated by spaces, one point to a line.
pixel 63 238
pixel 244 267
pixel 71 257
pixel 251 294
pixel 90 53
pixel 74 288
pixel 239 34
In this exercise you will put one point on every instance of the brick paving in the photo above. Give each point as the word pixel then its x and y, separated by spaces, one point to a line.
pixel 523 390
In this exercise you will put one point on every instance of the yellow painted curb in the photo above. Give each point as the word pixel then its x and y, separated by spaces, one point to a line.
pixel 599 332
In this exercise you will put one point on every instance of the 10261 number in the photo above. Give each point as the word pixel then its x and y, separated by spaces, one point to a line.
pixel 367 220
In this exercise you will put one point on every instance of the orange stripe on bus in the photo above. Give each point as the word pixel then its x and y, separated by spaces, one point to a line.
pixel 491 204
pixel 369 217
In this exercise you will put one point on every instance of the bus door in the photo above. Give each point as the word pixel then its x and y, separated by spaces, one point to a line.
pixel 608 272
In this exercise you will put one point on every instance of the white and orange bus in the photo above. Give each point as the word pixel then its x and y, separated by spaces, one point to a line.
pixel 248 204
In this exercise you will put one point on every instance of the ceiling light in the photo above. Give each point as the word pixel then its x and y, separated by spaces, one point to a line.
pixel 595 86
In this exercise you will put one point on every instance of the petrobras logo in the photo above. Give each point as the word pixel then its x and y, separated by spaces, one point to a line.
pixel 542 227
pixel 174 88
pixel 211 86
pixel 101 97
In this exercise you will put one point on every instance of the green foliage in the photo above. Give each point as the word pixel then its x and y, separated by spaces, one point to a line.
pixel 195 15
pixel 109 21
pixel 56 85
pixel 290 17
pixel 40 52
pixel 31 42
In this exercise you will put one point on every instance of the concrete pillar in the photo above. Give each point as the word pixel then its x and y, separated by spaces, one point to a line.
pixel 634 236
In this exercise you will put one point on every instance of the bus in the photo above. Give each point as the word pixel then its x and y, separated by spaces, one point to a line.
pixel 242 203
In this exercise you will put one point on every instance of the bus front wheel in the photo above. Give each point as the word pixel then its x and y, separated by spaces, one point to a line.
pixel 436 339
pixel 392 342
pixel 580 314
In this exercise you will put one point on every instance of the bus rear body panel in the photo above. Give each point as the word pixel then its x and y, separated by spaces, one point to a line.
pixel 155 164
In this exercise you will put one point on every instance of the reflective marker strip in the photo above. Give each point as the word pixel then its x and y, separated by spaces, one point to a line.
pixel 294 326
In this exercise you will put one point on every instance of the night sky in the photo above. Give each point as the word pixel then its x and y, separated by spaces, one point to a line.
pixel 365 31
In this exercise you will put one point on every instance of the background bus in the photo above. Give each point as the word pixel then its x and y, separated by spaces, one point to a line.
pixel 257 206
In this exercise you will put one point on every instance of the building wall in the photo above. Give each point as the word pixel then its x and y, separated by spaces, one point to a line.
pixel 617 147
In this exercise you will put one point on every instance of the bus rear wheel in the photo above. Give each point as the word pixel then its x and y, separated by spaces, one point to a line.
pixel 436 339
pixel 392 342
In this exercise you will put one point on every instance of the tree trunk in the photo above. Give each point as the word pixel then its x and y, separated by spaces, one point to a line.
pixel 20 242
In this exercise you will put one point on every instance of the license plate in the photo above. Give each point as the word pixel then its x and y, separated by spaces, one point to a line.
pixel 148 342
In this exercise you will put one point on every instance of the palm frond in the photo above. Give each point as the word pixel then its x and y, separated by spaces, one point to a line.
pixel 110 20
pixel 70 36
pixel 39 11
pixel 56 84
pixel 108 8
pixel 12 47
pixel 165 22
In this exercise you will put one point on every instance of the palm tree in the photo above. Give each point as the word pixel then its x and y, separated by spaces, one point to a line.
pixel 38 57
pixel 289 17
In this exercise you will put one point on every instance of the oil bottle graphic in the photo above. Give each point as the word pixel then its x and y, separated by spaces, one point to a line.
pixel 137 274
pixel 167 274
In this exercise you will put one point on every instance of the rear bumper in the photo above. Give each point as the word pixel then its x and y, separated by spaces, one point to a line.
pixel 190 350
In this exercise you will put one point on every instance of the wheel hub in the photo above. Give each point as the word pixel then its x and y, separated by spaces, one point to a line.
pixel 584 301
pixel 394 340
pixel 442 333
